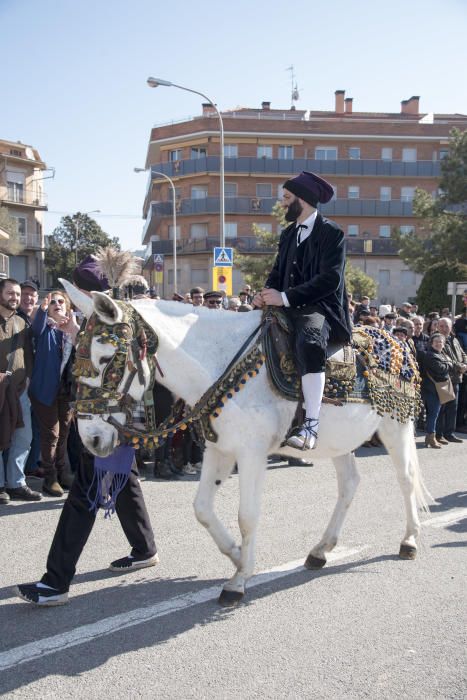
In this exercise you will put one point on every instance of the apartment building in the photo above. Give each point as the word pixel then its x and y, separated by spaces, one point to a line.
pixel 373 160
pixel 21 192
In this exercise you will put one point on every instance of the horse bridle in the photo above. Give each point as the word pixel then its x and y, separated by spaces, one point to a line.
pixel 130 335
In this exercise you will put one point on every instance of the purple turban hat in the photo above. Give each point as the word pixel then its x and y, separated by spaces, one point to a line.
pixel 310 188
pixel 88 276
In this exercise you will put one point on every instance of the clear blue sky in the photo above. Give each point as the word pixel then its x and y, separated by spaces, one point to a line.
pixel 74 76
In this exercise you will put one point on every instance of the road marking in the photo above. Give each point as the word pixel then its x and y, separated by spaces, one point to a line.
pixel 109 625
pixel 447 518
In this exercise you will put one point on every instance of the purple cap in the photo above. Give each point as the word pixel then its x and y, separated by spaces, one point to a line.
pixel 310 188
pixel 88 276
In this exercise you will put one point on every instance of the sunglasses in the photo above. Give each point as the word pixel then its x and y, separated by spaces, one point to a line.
pixel 57 301
pixel 215 302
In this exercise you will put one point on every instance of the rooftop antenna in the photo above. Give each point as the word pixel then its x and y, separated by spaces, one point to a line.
pixel 294 94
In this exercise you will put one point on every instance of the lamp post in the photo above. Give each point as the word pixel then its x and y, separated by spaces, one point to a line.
pixel 174 216
pixel 156 82
pixel 76 225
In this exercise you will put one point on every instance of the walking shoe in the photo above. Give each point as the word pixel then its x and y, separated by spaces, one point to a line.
pixel 442 440
pixel 453 438
pixel 24 493
pixel 4 497
pixel 299 462
pixel 197 466
pixel 304 437
pixel 52 488
pixel 129 563
pixel 188 470
pixel 41 595
pixel 162 470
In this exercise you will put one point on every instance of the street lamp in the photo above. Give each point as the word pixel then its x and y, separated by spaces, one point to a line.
pixel 76 224
pixel 156 82
pixel 174 216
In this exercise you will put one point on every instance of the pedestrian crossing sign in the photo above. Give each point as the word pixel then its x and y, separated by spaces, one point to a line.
pixel 223 257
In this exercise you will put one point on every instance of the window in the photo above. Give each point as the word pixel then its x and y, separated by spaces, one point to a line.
pixel 325 153
pixel 265 226
pixel 386 154
pixel 21 227
pixel 175 155
pixel 170 275
pixel 384 277
pixel 264 152
pixel 199 277
pixel 230 189
pixel 409 155
pixel 385 231
pixel 444 152
pixel 198 152
pixel 15 186
pixel 385 194
pixel 352 230
pixel 198 231
pixel 280 192
pixel 171 233
pixel 406 230
pixel 231 229
pixel 286 152
pixel 407 194
pixel 263 189
pixel 408 278
pixel 353 192
pixel 354 153
pixel 16 152
pixel 230 150
pixel 199 191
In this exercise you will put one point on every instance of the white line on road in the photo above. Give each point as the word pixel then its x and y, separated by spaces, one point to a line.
pixel 109 625
pixel 447 518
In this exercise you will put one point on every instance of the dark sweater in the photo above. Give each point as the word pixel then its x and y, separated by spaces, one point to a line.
pixel 45 379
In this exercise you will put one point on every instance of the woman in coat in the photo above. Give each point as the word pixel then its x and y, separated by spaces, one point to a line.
pixel 434 366
pixel 54 330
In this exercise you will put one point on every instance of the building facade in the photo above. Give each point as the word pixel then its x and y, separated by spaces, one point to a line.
pixel 21 193
pixel 374 161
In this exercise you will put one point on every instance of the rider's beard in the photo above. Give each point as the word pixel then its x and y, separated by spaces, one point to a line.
pixel 294 210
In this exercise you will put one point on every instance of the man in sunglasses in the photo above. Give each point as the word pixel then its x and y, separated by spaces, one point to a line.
pixel 213 300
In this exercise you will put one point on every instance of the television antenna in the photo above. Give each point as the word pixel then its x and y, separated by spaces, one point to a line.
pixel 294 93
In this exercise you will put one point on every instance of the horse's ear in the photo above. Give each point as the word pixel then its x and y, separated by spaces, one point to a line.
pixel 107 310
pixel 79 298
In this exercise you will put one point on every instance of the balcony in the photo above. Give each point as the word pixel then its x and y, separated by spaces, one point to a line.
pixel 15 196
pixel 31 241
pixel 366 207
pixel 250 244
pixel 280 166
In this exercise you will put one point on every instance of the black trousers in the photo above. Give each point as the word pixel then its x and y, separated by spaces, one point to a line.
pixel 311 336
pixel 76 522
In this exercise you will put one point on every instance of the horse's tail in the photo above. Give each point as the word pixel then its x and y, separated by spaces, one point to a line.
pixel 422 495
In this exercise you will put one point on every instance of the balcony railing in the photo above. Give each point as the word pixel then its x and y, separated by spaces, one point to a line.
pixel 251 244
pixel 287 167
pixel 18 197
pixel 30 240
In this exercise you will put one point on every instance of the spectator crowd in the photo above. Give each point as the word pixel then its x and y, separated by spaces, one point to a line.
pixel 37 336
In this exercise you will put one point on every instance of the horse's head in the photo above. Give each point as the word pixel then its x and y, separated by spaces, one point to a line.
pixel 114 367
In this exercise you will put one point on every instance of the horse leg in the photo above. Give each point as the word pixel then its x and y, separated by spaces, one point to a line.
pixel 347 483
pixel 251 471
pixel 216 469
pixel 398 439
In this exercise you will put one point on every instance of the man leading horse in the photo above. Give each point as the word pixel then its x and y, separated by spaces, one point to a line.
pixel 307 279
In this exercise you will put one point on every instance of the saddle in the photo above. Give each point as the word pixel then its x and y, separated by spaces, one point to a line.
pixel 341 366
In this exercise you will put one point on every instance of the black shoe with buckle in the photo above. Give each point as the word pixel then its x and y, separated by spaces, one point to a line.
pixel 304 437
pixel 23 493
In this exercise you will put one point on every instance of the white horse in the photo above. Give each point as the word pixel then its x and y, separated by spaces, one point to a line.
pixel 195 346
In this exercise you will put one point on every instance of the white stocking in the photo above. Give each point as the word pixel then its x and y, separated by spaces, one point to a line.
pixel 313 388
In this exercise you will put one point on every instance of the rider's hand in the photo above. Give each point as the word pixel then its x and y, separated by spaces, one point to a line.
pixel 271 297
pixel 258 300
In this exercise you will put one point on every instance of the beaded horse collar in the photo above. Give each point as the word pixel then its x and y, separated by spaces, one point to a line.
pixel 131 336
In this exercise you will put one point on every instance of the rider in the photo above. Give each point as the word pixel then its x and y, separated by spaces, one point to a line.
pixel 307 279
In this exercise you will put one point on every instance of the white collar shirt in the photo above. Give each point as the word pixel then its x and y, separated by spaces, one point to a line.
pixel 306 227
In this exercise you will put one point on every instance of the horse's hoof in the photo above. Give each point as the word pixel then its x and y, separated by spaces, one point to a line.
pixel 313 563
pixel 228 599
pixel 407 552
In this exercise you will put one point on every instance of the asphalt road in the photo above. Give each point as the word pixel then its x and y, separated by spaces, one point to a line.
pixel 369 625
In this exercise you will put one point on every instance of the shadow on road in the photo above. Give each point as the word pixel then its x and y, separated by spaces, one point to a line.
pixel 23 620
pixel 458 499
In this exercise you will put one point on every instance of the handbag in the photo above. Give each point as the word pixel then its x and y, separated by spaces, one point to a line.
pixel 444 389
pixel 5 376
